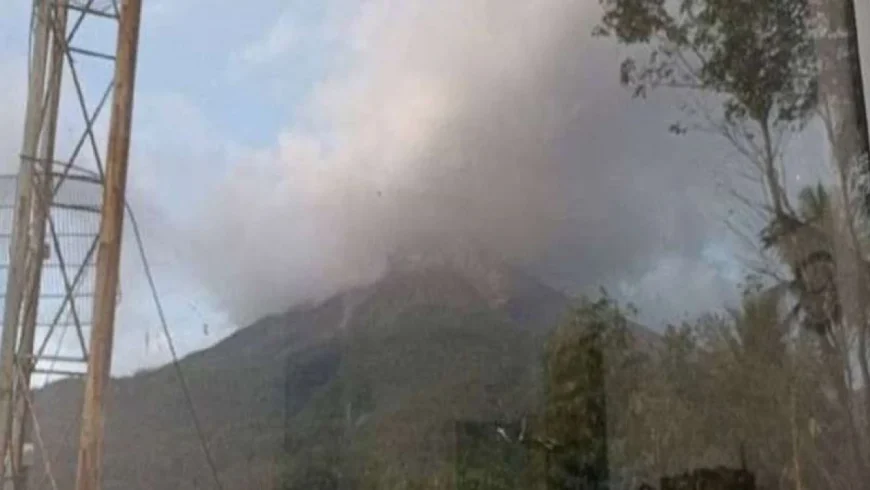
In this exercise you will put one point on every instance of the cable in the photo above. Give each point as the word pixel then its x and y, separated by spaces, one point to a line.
pixel 57 351
pixel 183 381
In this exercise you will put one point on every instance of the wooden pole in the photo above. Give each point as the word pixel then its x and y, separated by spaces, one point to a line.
pixel 21 228
pixel 89 473
pixel 41 204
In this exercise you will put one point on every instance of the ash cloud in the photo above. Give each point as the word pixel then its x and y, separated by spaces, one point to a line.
pixel 500 125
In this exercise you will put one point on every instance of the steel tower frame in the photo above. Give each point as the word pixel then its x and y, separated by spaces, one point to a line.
pixel 55 206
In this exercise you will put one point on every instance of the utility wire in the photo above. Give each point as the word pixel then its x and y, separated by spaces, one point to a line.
pixel 182 380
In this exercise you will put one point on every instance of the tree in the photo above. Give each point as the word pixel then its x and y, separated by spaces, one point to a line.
pixel 760 60
pixel 575 415
pixel 813 247
pixel 744 386
pixel 842 97
pixel 770 67
pixel 755 58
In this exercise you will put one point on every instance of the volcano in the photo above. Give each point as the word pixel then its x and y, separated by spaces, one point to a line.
pixel 370 381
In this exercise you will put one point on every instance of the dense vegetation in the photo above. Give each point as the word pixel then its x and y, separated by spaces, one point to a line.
pixel 786 375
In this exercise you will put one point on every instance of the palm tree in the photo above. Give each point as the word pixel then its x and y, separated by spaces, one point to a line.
pixel 806 243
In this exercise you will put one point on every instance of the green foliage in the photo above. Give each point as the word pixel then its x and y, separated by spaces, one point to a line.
pixel 709 389
pixel 576 393
pixel 814 203
pixel 762 62
pixel 757 55
pixel 488 459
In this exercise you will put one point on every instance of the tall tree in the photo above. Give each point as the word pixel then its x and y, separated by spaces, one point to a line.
pixel 771 66
pixel 817 247
pixel 575 416
pixel 755 58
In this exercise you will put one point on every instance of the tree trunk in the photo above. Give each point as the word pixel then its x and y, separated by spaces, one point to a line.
pixel 795 438
pixel 833 362
pixel 773 184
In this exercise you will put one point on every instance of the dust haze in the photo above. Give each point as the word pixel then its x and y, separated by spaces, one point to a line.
pixel 496 125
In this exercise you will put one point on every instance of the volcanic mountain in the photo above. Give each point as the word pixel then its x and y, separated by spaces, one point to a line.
pixel 369 381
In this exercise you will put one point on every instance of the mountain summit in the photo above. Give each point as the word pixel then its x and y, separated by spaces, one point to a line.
pixel 489 275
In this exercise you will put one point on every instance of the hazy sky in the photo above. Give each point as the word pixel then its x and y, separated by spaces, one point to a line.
pixel 281 152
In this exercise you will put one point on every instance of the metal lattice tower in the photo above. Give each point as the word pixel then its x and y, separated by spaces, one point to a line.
pixel 50 211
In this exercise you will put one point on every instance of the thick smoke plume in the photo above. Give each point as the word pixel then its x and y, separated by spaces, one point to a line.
pixel 496 125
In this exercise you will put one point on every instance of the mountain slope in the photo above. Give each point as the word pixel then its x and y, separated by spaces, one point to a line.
pixel 368 382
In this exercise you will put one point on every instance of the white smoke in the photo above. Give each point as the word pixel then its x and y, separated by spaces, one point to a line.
pixel 468 121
